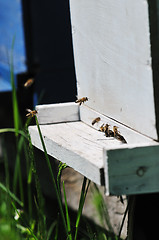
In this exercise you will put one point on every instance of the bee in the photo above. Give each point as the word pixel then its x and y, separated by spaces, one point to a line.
pixel 118 136
pixel 102 128
pixel 115 129
pixel 31 113
pixel 108 132
pixel 106 129
pixel 96 120
pixel 29 82
pixel 81 100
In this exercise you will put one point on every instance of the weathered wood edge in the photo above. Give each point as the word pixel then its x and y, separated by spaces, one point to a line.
pixel 56 113
pixel 132 170
pixel 67 156
pixel 112 157
pixel 69 112
pixel 154 37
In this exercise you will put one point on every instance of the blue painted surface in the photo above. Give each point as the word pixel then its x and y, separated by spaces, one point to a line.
pixel 11 26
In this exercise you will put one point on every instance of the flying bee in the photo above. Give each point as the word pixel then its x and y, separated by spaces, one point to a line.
pixel 81 100
pixel 29 82
pixel 118 136
pixel 31 113
pixel 96 120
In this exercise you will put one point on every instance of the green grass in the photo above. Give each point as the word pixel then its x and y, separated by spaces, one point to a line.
pixel 101 208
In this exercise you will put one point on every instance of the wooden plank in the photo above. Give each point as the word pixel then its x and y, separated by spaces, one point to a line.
pixel 76 144
pixel 132 170
pixel 132 137
pixel 112 54
pixel 56 113
pixel 80 145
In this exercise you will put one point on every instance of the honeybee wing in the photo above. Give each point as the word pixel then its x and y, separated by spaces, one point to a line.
pixel 77 98
pixel 28 110
pixel 122 139
pixel 77 101
pixel 94 121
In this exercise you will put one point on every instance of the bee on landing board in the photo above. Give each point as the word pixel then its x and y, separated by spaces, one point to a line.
pixel 81 100
pixel 115 129
pixel 29 82
pixel 102 128
pixel 108 132
pixel 118 136
pixel 95 120
pixel 31 113
pixel 106 129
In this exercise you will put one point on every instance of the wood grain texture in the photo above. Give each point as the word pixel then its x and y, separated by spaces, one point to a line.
pixel 76 144
pixel 56 113
pixel 132 170
pixel 112 54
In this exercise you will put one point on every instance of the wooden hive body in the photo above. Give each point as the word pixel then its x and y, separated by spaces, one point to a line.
pixel 115 53
pixel 113 59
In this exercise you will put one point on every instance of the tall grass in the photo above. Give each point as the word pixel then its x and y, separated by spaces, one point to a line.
pixel 101 208
pixel 23 140
pixel 14 95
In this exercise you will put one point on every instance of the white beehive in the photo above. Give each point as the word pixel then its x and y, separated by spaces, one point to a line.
pixel 115 62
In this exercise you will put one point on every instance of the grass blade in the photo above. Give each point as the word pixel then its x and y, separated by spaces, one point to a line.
pixel 40 199
pixel 51 228
pixel 57 229
pixel 102 208
pixel 17 169
pixel 81 203
pixel 7 130
pixel 14 95
pixel 67 214
pixel 52 177
pixel 12 195
pixel 61 167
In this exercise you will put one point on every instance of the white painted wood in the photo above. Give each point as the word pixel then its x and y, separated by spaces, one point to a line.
pixel 112 54
pixel 132 137
pixel 56 113
pixel 132 170
pixel 105 161
pixel 76 144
